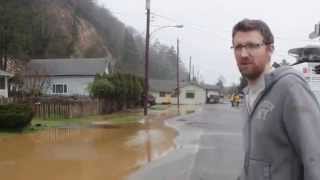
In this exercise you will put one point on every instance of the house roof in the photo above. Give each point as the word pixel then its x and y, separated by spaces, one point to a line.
pixel 201 85
pixel 72 66
pixel 170 85
pixel 4 73
pixel 184 84
pixel 162 85
pixel 211 87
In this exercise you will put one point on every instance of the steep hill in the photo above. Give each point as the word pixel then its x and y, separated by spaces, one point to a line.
pixel 76 28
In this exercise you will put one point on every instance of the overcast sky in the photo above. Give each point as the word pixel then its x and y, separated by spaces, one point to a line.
pixel 206 35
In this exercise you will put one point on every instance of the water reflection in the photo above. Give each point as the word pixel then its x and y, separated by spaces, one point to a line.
pixel 83 154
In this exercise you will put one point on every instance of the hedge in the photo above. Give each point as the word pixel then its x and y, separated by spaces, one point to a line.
pixel 15 116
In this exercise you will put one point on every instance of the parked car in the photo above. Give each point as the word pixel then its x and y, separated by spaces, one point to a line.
pixel 213 99
pixel 151 100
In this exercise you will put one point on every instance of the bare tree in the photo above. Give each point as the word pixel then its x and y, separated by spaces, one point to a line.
pixel 35 81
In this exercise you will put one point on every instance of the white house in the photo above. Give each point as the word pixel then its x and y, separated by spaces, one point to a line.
pixel 65 76
pixel 165 92
pixel 4 76
pixel 162 90
pixel 191 93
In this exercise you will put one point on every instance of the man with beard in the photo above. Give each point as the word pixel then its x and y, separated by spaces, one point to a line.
pixel 282 127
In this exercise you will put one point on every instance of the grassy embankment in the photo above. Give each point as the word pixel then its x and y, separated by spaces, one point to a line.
pixel 118 119
pixel 115 119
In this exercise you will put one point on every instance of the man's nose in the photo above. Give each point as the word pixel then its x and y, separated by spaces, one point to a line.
pixel 244 52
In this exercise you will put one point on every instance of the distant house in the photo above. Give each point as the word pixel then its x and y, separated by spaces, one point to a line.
pixel 4 76
pixel 192 93
pixel 162 90
pixel 65 76
pixel 165 92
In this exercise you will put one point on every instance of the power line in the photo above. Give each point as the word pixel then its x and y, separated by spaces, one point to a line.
pixel 193 26
pixel 164 17
pixel 202 28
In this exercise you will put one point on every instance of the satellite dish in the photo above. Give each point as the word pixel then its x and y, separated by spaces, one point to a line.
pixel 313 35
pixel 309 53
pixel 316 32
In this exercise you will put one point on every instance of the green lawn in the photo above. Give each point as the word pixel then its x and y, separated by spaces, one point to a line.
pixel 123 118
pixel 159 107
pixel 37 124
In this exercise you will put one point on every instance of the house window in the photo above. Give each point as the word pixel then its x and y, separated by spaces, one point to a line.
pixel 59 88
pixel 2 83
pixel 190 95
pixel 162 94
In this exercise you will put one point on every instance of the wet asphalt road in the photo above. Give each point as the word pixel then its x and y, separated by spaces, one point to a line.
pixel 209 147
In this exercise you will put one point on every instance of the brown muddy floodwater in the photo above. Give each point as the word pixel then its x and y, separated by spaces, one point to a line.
pixel 98 153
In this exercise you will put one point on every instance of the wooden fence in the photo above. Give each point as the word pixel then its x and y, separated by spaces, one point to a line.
pixel 5 100
pixel 48 108
pixel 61 110
pixel 66 107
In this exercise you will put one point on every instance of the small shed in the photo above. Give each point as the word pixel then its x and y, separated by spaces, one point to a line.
pixel 192 94
pixel 164 92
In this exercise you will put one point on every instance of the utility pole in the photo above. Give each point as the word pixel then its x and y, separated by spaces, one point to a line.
pixel 178 85
pixel 190 69
pixel 193 72
pixel 146 80
pixel 146 68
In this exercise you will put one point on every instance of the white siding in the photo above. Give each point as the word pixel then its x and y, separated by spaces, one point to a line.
pixel 75 85
pixel 161 100
pixel 312 78
pixel 4 92
pixel 199 95
pixel 314 82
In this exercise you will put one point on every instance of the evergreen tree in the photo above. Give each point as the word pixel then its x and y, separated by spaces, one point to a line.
pixel 130 61
pixel 52 29
pixel 15 36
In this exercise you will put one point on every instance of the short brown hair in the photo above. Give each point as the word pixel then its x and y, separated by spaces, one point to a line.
pixel 247 25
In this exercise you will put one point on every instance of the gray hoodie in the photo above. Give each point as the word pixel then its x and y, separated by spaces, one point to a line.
pixel 282 132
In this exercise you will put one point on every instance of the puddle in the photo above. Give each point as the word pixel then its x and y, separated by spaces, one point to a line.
pixel 99 152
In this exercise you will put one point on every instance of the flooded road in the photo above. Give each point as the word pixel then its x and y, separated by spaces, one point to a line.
pixel 97 153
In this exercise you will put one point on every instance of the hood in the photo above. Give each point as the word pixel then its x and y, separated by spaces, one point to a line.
pixel 277 74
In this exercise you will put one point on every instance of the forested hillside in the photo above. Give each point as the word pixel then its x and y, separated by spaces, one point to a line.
pixel 77 28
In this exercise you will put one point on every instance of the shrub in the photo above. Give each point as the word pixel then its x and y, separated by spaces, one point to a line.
pixel 102 88
pixel 122 88
pixel 15 116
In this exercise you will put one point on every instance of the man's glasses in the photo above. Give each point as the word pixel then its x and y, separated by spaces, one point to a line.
pixel 250 47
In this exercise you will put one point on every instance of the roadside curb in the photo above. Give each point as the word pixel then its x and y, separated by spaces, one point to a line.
pixel 177 164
